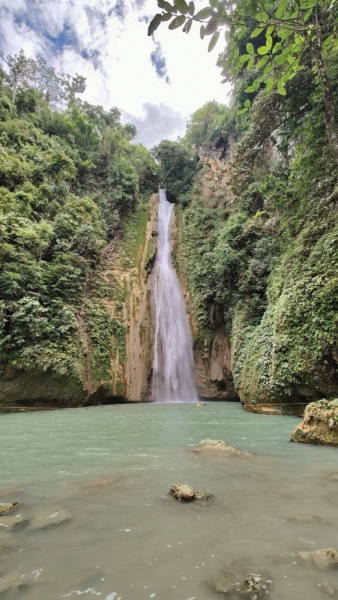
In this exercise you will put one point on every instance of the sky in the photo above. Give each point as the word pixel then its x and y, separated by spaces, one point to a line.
pixel 158 81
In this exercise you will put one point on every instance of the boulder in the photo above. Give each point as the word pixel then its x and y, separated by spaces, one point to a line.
pixel 49 517
pixel 5 507
pixel 320 424
pixel 185 492
pixel 220 448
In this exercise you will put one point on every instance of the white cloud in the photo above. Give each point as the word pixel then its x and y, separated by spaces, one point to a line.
pixel 114 53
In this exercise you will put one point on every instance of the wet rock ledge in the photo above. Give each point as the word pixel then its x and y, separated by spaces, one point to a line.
pixel 320 424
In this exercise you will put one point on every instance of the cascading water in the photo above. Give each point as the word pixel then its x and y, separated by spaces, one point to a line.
pixel 173 374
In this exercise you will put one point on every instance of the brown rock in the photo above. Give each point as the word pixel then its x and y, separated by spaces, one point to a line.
pixel 254 586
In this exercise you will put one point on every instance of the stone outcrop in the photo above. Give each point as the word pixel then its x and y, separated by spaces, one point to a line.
pixel 6 507
pixel 219 448
pixel 320 424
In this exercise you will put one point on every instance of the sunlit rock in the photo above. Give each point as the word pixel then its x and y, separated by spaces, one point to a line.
pixel 320 424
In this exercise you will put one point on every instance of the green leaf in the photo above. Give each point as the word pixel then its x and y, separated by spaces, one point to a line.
pixel 250 48
pixel 262 50
pixel 252 88
pixel 307 15
pixel 205 13
pixel 281 9
pixel 276 47
pixel 269 84
pixel 262 62
pixel 247 102
pixel 270 30
pixel 213 41
pixel 281 91
pixel 243 59
pixel 154 24
pixel 181 6
pixel 191 8
pixel 167 6
pixel 256 32
pixel 177 22
pixel 213 3
pixel 250 64
pixel 268 42
pixel 166 17
pixel 160 3
pixel 327 41
pixel 244 110
pixel 187 26
pixel 202 32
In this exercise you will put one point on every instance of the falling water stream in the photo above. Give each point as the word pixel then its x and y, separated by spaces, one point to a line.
pixel 173 374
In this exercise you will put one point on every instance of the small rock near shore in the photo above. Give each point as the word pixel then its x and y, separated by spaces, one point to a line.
pixel 185 492
pixel 49 517
pixel 219 447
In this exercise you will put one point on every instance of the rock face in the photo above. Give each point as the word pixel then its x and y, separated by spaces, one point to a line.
pixel 220 448
pixel 320 424
pixel 187 493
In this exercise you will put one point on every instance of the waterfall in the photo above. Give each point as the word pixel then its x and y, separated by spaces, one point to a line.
pixel 173 374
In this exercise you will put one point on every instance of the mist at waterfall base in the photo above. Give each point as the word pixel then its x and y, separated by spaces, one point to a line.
pixel 173 372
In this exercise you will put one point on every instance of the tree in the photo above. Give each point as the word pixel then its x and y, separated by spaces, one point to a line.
pixel 26 74
pixel 178 167
pixel 285 37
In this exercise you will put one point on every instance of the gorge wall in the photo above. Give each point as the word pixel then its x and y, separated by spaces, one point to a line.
pixel 257 252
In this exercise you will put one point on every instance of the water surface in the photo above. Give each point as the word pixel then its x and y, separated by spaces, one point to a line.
pixel 110 468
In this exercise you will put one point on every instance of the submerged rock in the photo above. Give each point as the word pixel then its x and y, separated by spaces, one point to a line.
pixel 304 518
pixel 219 447
pixel 12 521
pixel 320 424
pixel 253 587
pixel 5 507
pixel 17 582
pixel 330 590
pixel 50 517
pixel 324 559
pixel 185 492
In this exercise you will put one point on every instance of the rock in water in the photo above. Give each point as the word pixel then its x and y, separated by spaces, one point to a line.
pixel 324 559
pixel 219 447
pixel 254 587
pixel 12 521
pixel 50 517
pixel 5 507
pixel 320 424
pixel 181 491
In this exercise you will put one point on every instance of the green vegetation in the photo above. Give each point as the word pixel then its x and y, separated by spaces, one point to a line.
pixel 259 232
pixel 70 182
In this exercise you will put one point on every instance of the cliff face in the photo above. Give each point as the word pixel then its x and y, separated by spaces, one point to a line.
pixel 113 361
